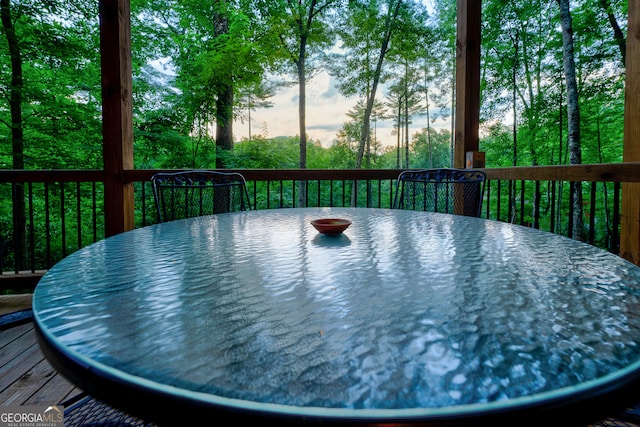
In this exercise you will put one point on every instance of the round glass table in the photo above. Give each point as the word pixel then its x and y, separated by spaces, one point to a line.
pixel 406 317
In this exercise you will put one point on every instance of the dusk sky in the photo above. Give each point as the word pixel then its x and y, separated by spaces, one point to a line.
pixel 326 113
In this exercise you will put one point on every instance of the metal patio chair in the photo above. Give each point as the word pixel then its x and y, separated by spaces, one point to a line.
pixel 454 191
pixel 188 194
pixel 85 411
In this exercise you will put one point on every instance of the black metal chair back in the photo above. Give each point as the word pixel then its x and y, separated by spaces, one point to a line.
pixel 188 194
pixel 455 191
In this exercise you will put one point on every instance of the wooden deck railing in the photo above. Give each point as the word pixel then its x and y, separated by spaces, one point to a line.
pixel 64 209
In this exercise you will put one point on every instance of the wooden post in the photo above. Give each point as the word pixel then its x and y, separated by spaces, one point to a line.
pixel 117 126
pixel 467 120
pixel 630 221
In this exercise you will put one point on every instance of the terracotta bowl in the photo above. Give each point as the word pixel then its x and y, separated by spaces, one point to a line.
pixel 331 225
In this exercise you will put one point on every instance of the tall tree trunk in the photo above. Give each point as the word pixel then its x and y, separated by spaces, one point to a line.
pixel 618 35
pixel 17 137
pixel 224 91
pixel 302 116
pixel 429 144
pixel 399 136
pixel 452 130
pixel 224 121
pixel 394 9
pixel 406 115
pixel 514 97
pixel 573 111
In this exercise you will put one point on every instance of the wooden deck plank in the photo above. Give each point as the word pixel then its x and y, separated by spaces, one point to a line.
pixel 56 386
pixel 27 377
pixel 28 384
pixel 40 385
pixel 8 336
pixel 20 363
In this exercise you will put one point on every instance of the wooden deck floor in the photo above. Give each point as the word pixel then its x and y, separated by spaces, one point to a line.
pixel 26 378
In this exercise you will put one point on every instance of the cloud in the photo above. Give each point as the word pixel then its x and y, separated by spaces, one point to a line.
pixel 329 127
pixel 332 91
pixel 326 112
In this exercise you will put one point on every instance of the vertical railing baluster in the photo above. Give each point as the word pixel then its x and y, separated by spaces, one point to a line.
pixel 294 197
pixel 79 214
pixel 32 246
pixel 510 208
pixel 367 184
pixel 487 195
pixel 47 224
pixel 522 197
pixel 536 205
pixel 17 258
pixel 572 191
pixel 94 208
pixel 269 194
pixel 552 202
pixel 615 245
pixel 592 214
pixel 63 228
pixel 498 204
pixel 331 193
pixel 143 203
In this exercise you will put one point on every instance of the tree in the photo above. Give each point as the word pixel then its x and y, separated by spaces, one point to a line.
pixel 50 83
pixel 444 52
pixel 405 99
pixel 618 34
pixel 15 124
pixel 430 148
pixel 215 54
pixel 349 134
pixel 304 31
pixel 371 32
pixel 252 97
pixel 223 83
pixel 573 111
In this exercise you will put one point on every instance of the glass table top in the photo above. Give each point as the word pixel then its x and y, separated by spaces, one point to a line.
pixel 408 314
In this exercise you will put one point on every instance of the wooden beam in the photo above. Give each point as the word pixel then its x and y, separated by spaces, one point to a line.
pixel 603 172
pixel 467 120
pixel 21 281
pixel 117 124
pixel 630 221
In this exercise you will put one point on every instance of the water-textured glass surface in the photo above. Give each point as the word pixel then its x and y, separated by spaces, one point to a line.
pixel 403 310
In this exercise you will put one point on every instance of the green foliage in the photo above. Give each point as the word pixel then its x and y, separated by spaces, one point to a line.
pixel 431 149
pixel 61 87
pixel 174 122
pixel 180 62
pixel 261 153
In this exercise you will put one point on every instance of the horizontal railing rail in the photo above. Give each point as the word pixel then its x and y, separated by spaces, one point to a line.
pixel 60 211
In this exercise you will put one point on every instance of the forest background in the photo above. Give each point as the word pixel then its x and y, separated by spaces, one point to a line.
pixel 552 88
pixel 201 67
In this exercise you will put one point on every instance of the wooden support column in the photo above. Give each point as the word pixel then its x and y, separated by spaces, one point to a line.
pixel 117 125
pixel 467 81
pixel 630 221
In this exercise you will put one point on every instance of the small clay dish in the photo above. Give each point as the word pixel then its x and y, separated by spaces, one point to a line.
pixel 331 226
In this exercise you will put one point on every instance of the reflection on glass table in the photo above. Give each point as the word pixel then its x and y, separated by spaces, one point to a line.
pixel 405 317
